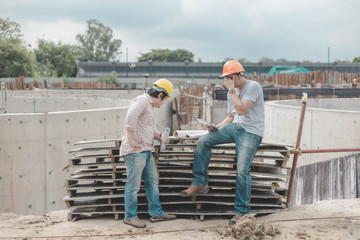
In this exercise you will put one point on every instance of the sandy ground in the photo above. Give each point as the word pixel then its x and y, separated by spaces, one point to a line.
pixel 335 219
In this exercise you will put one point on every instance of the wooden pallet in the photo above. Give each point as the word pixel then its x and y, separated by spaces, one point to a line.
pixel 96 182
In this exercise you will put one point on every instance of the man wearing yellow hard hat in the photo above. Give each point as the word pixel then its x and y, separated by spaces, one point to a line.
pixel 136 148
pixel 244 126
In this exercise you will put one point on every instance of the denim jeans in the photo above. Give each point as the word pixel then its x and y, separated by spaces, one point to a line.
pixel 141 165
pixel 246 146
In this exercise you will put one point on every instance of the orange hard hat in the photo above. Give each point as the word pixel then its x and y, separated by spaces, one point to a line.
pixel 231 67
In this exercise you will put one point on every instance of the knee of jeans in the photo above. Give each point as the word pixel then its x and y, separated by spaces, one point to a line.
pixel 132 187
pixel 242 171
pixel 202 142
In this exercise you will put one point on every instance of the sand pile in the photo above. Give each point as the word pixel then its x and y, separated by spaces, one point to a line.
pixel 248 229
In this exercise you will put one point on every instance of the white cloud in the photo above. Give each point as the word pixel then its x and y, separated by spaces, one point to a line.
pixel 61 30
pixel 211 29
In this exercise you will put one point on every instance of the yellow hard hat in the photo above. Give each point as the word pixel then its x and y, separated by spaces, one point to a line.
pixel 166 85
pixel 231 67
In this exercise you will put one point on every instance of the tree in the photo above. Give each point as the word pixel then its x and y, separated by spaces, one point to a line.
pixel 266 59
pixel 166 55
pixel 282 60
pixel 55 59
pixel 15 59
pixel 356 59
pixel 243 60
pixel 97 44
pixel 9 29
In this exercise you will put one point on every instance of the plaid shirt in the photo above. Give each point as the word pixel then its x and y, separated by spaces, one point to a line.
pixel 140 118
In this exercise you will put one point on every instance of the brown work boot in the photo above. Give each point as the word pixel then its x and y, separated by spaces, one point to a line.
pixel 234 219
pixel 194 190
pixel 135 222
pixel 164 217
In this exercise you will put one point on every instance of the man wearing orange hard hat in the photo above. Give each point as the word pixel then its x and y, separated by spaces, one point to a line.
pixel 244 126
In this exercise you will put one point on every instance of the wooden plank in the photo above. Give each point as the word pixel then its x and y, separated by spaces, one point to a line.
pixel 213 193
pixel 189 162
pixel 219 204
pixel 221 178
pixel 98 164
pixel 174 186
pixel 76 212
pixel 89 171
pixel 214 170
pixel 90 149
pixel 91 156
pixel 97 141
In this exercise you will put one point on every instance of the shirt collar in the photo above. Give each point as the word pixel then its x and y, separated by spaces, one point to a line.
pixel 149 98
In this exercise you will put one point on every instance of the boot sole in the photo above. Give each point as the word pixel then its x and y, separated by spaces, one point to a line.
pixel 197 192
pixel 154 220
pixel 128 223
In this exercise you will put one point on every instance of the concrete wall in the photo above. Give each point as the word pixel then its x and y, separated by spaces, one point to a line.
pixel 34 147
pixel 328 128
pixel 50 104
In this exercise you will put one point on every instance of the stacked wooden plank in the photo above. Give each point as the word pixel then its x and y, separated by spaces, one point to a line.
pixel 98 176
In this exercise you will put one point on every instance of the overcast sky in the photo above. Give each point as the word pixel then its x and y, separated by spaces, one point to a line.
pixel 296 30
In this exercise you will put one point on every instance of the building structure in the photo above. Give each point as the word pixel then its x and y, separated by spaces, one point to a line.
pixel 194 69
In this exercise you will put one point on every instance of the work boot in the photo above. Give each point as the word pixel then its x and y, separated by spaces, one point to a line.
pixel 234 219
pixel 164 217
pixel 135 222
pixel 194 190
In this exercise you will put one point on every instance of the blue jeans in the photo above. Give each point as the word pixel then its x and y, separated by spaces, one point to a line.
pixel 141 165
pixel 246 146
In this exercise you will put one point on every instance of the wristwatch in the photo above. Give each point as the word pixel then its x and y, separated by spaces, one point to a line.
pixel 232 91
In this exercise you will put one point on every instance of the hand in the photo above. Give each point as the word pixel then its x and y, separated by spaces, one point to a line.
pixel 229 83
pixel 134 144
pixel 210 128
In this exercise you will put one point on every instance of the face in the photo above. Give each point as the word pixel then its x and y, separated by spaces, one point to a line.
pixel 159 102
pixel 235 78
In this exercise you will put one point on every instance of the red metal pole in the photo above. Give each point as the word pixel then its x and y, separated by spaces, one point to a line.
pixel 299 151
pixel 296 155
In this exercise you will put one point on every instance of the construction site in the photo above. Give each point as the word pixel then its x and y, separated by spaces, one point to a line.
pixel 61 175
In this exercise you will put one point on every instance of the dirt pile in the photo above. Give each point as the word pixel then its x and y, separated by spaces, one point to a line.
pixel 248 229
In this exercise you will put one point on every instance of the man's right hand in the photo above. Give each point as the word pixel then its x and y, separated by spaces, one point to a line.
pixel 134 144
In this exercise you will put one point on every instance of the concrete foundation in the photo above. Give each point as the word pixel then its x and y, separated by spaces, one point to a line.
pixel 329 124
pixel 34 147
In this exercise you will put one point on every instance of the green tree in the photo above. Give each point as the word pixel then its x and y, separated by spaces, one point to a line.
pixel 15 59
pixel 356 59
pixel 55 59
pixel 243 60
pixel 282 60
pixel 166 55
pixel 240 60
pixel 98 43
pixel 9 29
pixel 267 59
